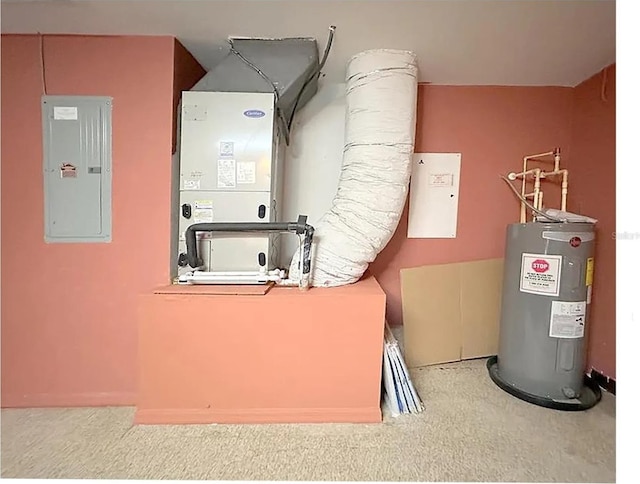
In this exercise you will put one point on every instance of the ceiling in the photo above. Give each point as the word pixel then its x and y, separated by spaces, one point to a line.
pixel 458 42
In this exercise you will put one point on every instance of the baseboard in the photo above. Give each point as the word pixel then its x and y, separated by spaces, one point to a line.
pixel 99 399
pixel 606 383
pixel 257 415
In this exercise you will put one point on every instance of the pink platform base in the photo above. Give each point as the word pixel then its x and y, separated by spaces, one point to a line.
pixel 282 357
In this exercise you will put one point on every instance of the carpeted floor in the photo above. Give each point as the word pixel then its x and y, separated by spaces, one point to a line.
pixel 470 431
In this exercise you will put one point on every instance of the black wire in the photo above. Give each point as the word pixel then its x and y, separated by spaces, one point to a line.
pixel 42 65
pixel 314 75
pixel 280 116
pixel 284 125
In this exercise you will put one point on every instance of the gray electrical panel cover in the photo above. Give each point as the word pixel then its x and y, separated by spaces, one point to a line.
pixel 77 168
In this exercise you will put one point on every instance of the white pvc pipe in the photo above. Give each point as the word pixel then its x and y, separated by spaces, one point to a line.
pixel 288 283
pixel 229 277
pixel 241 273
pixel 381 97
pixel 565 190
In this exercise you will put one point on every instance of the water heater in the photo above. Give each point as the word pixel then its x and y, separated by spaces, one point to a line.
pixel 546 297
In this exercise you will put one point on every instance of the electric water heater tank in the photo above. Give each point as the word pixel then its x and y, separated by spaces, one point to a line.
pixel 548 276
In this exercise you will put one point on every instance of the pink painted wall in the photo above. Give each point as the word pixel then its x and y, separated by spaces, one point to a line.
pixel 69 327
pixel 69 330
pixel 493 128
pixel 593 190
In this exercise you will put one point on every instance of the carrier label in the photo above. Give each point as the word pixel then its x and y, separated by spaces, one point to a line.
pixel 567 319
pixel 540 274
pixel 254 113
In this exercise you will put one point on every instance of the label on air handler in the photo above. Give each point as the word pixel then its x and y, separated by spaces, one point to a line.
pixel 540 274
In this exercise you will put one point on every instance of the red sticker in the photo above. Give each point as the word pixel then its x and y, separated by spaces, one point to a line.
pixel 575 241
pixel 67 170
pixel 540 265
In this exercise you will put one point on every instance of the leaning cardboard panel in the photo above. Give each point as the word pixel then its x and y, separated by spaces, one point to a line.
pixel 480 297
pixel 431 314
pixel 451 311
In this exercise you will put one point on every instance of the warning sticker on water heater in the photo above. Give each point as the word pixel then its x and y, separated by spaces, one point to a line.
pixel 540 274
pixel 567 319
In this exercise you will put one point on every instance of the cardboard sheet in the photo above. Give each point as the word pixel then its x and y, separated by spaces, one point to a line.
pixel 480 297
pixel 451 312
pixel 431 314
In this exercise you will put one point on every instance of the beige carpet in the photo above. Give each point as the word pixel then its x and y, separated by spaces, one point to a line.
pixel 470 431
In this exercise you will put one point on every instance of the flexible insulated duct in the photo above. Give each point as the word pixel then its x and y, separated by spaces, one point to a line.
pixel 381 97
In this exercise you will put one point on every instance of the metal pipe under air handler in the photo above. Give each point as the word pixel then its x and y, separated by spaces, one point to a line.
pixel 300 227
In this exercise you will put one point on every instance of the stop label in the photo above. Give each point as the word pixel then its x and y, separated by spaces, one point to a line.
pixel 540 265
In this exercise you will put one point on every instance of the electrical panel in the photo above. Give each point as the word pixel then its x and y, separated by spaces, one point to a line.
pixel 230 171
pixel 77 168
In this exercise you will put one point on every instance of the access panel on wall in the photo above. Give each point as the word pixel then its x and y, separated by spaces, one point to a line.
pixel 77 168
pixel 433 195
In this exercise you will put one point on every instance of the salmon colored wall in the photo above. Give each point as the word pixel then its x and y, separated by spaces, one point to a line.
pixel 493 128
pixel 69 310
pixel 593 189
pixel 69 330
